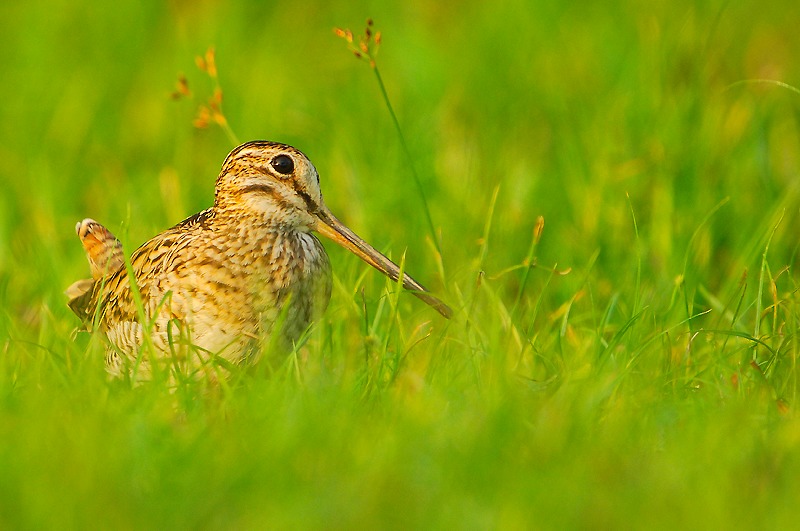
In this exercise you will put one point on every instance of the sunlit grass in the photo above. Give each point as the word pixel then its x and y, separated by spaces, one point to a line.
pixel 614 205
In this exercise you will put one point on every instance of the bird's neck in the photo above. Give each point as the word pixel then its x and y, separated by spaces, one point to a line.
pixel 253 228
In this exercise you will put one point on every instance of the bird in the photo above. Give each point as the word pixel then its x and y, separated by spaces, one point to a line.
pixel 224 284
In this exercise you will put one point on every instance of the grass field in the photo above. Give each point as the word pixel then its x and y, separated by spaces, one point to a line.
pixel 633 364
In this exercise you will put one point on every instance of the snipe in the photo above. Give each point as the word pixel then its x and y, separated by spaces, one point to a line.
pixel 229 280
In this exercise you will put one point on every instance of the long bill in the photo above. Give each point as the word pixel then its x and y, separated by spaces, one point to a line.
pixel 332 228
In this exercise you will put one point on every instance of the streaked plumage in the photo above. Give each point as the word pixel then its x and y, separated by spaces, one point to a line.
pixel 215 285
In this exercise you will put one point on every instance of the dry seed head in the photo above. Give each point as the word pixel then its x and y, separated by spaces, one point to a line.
pixel 183 85
pixel 219 118
pixel 211 62
pixel 538 229
pixel 215 102
pixel 345 34
pixel 181 88
pixel 202 118
pixel 364 49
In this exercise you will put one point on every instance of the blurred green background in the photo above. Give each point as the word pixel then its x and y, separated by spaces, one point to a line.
pixel 659 141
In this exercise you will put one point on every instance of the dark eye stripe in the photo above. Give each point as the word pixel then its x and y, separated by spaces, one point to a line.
pixel 307 198
pixel 260 188
pixel 265 189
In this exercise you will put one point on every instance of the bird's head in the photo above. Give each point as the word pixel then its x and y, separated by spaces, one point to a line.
pixel 270 181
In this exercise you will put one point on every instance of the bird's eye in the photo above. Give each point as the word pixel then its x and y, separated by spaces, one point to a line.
pixel 283 164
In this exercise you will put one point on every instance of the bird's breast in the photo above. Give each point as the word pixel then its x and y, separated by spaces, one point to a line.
pixel 292 276
pixel 234 291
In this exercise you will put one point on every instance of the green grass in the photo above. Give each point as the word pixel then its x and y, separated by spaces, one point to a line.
pixel 642 373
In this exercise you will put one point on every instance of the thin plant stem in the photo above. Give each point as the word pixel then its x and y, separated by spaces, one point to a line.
pixel 407 154
pixel 366 48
